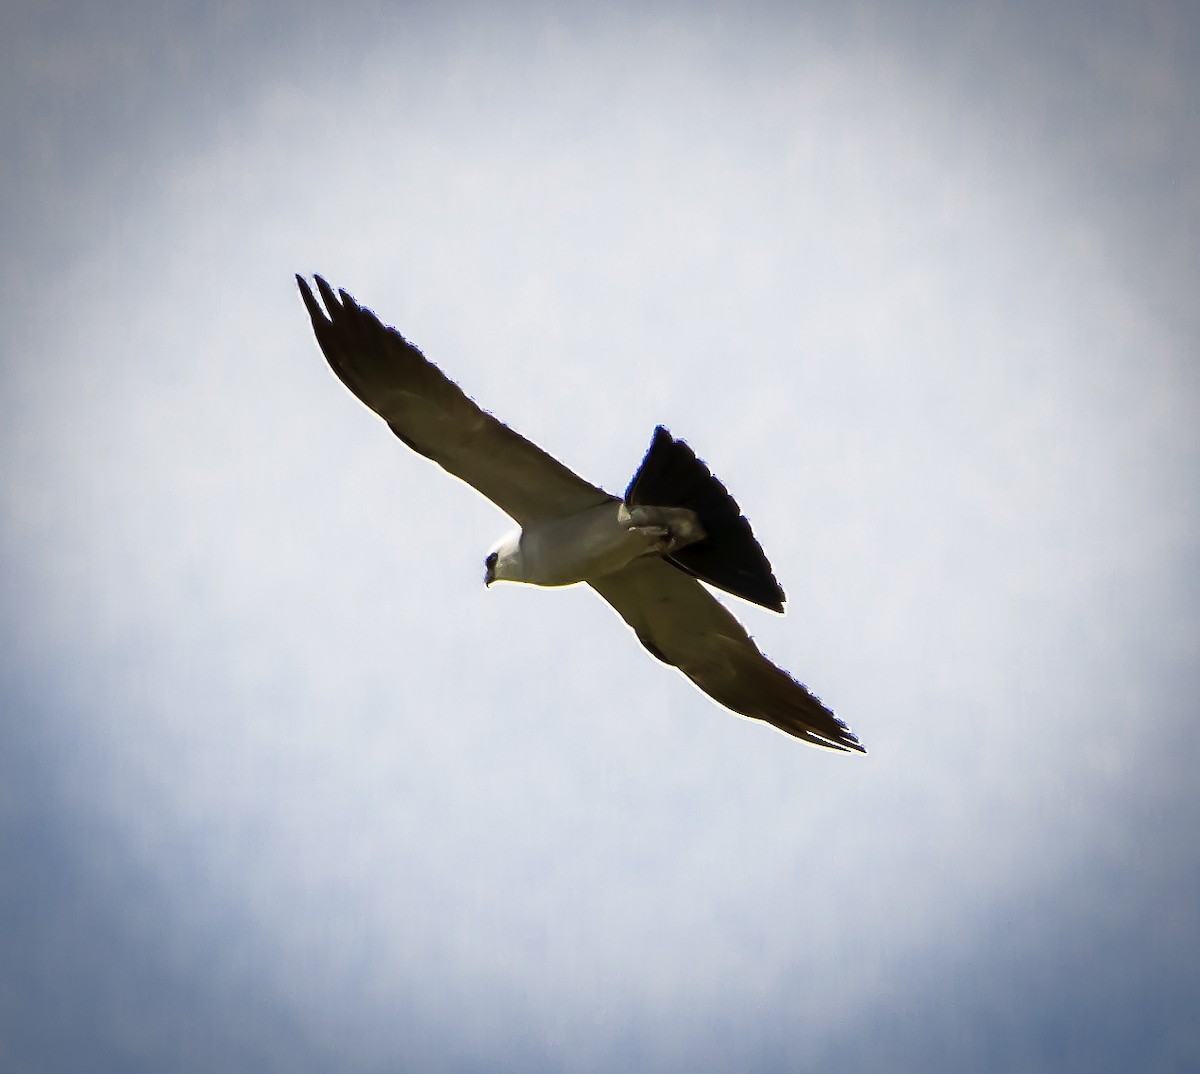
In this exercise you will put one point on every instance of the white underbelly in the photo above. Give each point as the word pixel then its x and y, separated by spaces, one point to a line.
pixel 590 544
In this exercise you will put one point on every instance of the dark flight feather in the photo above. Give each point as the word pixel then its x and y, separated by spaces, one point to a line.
pixel 729 557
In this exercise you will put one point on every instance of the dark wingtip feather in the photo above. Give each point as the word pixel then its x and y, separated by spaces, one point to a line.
pixel 798 711
pixel 310 302
pixel 327 295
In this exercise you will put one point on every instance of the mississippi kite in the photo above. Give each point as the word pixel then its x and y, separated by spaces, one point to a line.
pixel 646 553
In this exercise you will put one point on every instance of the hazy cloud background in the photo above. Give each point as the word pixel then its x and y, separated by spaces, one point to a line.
pixel 283 787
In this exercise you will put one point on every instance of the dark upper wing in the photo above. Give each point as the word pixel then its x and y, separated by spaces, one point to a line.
pixel 433 416
pixel 684 625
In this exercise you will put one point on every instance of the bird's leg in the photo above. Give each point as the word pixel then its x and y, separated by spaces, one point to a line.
pixel 667 529
pixel 662 541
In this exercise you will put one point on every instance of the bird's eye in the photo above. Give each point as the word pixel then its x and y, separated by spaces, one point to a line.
pixel 490 562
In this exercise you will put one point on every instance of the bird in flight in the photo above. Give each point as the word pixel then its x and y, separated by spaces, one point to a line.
pixel 647 553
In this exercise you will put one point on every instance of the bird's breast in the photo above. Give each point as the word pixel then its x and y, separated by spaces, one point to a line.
pixel 587 545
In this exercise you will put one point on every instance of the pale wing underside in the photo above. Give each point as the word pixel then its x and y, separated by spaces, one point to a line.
pixel 434 417
pixel 684 625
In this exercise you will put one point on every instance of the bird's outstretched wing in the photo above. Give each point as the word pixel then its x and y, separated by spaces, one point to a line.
pixel 434 417
pixel 684 625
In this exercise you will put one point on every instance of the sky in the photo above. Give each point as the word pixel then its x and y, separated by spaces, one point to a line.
pixel 284 787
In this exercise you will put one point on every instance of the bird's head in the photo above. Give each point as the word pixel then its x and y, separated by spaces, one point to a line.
pixel 504 563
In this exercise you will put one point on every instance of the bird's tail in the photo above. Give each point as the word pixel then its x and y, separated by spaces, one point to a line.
pixel 728 557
